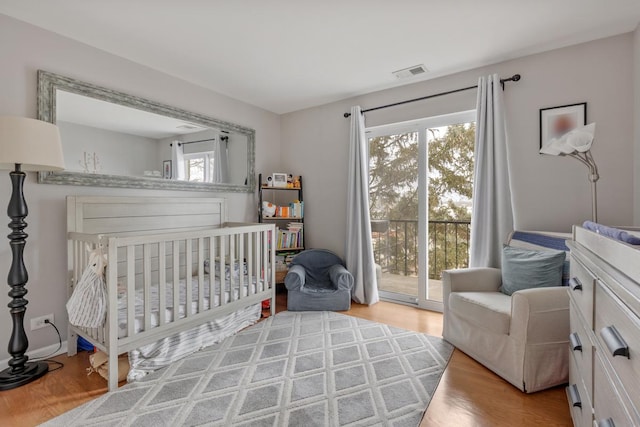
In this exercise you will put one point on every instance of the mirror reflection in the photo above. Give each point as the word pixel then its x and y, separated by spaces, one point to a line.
pixel 118 140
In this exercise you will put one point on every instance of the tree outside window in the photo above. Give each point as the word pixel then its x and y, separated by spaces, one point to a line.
pixel 199 167
pixel 393 171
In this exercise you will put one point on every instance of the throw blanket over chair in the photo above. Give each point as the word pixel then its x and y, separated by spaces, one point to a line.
pixel 318 280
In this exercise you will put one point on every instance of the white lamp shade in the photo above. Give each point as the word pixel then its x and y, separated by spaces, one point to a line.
pixel 33 144
pixel 581 138
pixel 578 140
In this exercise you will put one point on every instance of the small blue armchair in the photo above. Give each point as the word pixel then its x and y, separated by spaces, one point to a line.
pixel 318 280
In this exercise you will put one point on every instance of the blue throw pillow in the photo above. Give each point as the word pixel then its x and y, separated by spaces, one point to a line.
pixel 526 268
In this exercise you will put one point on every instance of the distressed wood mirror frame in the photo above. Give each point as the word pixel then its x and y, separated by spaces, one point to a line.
pixel 48 86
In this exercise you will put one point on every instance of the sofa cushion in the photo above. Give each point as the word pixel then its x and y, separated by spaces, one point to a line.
pixel 543 240
pixel 487 310
pixel 526 268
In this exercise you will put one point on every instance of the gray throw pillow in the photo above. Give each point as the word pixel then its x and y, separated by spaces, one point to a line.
pixel 526 268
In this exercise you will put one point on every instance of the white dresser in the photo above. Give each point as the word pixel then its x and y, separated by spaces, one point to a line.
pixel 604 372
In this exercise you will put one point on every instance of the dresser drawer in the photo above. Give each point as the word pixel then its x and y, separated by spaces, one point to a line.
pixel 582 355
pixel 577 396
pixel 617 332
pixel 607 402
pixel 581 285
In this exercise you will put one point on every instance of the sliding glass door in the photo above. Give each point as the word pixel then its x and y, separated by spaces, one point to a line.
pixel 420 201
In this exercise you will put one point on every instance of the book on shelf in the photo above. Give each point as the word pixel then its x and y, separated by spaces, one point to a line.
pixel 293 210
pixel 290 238
pixel 283 211
pixel 296 209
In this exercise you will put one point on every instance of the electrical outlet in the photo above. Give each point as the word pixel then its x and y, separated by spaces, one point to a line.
pixel 39 322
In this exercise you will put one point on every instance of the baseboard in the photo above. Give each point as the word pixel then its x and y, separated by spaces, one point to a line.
pixel 40 352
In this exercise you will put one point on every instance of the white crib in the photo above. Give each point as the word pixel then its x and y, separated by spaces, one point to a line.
pixel 160 246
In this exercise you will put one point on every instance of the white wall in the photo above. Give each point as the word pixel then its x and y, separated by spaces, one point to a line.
pixel 550 193
pixel 108 147
pixel 24 49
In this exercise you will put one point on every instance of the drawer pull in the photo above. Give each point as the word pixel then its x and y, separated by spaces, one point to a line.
pixel 614 341
pixel 576 345
pixel 575 396
pixel 606 423
pixel 575 284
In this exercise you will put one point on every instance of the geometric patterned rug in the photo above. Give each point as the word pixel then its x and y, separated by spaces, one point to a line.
pixel 292 369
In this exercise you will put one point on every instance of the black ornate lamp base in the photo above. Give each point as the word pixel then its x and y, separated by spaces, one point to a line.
pixel 19 372
pixel 32 371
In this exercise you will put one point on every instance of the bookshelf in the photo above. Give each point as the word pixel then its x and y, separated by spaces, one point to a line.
pixel 288 217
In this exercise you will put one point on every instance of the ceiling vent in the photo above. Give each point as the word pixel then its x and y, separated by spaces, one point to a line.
pixel 416 70
pixel 188 126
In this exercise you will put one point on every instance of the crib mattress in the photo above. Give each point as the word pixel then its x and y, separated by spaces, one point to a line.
pixel 146 359
pixel 169 310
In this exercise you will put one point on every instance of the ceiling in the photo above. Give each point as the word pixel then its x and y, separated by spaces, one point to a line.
pixel 286 55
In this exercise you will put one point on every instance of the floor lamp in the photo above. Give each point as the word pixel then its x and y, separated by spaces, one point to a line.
pixel 577 144
pixel 25 145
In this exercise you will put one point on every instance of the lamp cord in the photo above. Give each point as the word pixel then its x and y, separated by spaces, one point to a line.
pixel 59 365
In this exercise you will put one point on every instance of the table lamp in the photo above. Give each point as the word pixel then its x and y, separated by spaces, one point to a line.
pixel 577 144
pixel 25 145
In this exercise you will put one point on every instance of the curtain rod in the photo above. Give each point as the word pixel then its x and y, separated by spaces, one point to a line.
pixel 222 138
pixel 513 78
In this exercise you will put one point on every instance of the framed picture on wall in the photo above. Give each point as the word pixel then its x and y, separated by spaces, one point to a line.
pixel 166 169
pixel 556 121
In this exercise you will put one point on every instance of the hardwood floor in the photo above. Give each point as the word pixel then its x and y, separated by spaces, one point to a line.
pixel 468 393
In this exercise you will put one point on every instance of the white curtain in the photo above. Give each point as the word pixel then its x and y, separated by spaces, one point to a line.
pixel 359 245
pixel 220 160
pixel 177 161
pixel 492 211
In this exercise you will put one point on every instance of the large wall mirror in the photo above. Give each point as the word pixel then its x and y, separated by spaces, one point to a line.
pixel 112 139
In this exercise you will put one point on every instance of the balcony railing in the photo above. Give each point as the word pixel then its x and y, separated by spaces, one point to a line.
pixel 395 246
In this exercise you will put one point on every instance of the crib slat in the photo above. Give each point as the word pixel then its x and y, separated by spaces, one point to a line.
pixel 212 271
pixel 262 239
pixel 77 262
pixel 233 281
pixel 162 283
pixel 266 238
pixel 147 285
pixel 250 260
pixel 188 279
pixel 175 286
pixel 271 283
pixel 261 274
pixel 131 289
pixel 201 275
pixel 255 258
pixel 241 265
pixel 111 330
pixel 223 275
